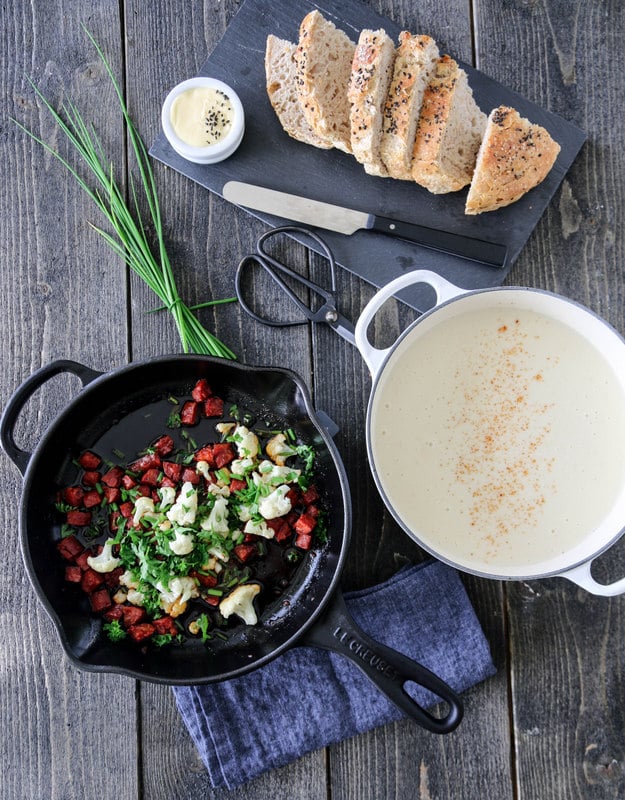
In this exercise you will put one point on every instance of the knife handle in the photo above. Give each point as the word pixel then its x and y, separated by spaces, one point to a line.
pixel 490 253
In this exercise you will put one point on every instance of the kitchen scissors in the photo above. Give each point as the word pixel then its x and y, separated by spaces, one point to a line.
pixel 326 312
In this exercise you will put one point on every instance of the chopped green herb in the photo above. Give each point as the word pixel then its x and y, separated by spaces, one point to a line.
pixel 114 630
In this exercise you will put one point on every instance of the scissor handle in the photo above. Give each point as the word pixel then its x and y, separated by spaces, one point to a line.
pixel 276 271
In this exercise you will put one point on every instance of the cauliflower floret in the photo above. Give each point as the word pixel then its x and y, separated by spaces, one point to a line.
pixel 240 603
pixel 275 504
pixel 246 441
pixel 203 469
pixel 214 488
pixel 242 466
pixel 167 495
pixel 217 520
pixel 278 449
pixel 143 506
pixel 225 427
pixel 259 529
pixel 135 597
pixel 268 472
pixel 219 554
pixel 182 544
pixel 184 509
pixel 127 580
pixel 175 596
pixel 106 561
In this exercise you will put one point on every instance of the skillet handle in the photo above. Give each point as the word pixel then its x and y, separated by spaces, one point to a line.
pixel 388 669
pixel 21 396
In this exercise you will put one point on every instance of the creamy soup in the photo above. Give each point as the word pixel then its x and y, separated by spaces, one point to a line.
pixel 498 437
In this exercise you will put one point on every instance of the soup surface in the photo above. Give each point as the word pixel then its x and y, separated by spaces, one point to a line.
pixel 498 438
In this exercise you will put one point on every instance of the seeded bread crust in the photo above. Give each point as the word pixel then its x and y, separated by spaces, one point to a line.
pixel 280 82
pixel 515 156
pixel 323 60
pixel 371 75
pixel 415 63
pixel 449 131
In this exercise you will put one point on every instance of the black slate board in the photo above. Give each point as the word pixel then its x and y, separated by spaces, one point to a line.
pixel 268 157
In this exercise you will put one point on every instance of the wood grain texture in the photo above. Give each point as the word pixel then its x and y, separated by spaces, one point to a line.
pixel 550 724
pixel 52 727
pixel 566 646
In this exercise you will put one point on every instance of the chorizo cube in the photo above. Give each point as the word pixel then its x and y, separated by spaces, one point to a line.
pixel 303 541
pixel 73 495
pixel 190 413
pixel 224 454
pixel 100 600
pixel 165 625
pixel 78 518
pixel 305 524
pixel 91 478
pixel 150 477
pixel 141 631
pixel 164 445
pixel 214 407
pixel 112 494
pixel 89 460
pixel 73 574
pixel 70 548
pixel 91 499
pixel 201 391
pixel 91 580
pixel 172 470
pixel 133 615
pixel 190 476
pixel 113 477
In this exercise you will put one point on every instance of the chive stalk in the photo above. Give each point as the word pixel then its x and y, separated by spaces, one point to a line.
pixel 128 238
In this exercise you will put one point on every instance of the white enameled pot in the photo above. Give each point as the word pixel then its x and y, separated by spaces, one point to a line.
pixel 572 562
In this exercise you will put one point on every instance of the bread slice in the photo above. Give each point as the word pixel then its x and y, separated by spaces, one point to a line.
pixel 415 62
pixel 449 131
pixel 323 60
pixel 280 81
pixel 514 157
pixel 371 74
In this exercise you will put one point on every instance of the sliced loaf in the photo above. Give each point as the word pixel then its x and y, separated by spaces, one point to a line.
pixel 449 131
pixel 323 60
pixel 371 74
pixel 280 81
pixel 515 156
pixel 415 62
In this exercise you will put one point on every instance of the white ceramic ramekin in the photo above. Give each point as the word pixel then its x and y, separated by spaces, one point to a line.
pixel 210 154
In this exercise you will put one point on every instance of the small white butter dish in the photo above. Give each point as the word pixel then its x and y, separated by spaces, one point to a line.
pixel 203 120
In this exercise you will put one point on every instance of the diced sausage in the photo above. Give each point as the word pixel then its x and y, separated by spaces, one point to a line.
pixel 91 580
pixel 214 407
pixel 127 509
pixel 73 495
pixel 190 413
pixel 201 391
pixel 141 631
pixel 224 454
pixel 133 615
pixel 237 485
pixel 163 446
pixel 91 499
pixel 165 625
pixel 113 477
pixel 148 461
pixel 150 477
pixel 206 453
pixel 190 476
pixel 112 494
pixel 128 482
pixel 310 495
pixel 89 460
pixel 78 518
pixel 303 541
pixel 305 524
pixel 172 470
pixel 115 612
pixel 244 552
pixel 100 600
pixel 70 548
pixel 73 574
pixel 91 478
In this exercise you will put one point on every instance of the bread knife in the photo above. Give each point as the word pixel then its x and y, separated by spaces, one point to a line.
pixel 347 221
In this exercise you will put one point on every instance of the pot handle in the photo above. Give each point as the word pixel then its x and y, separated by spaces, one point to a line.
pixel 388 669
pixel 445 290
pixel 582 577
pixel 21 396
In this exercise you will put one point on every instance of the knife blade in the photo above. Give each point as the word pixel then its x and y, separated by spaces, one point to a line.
pixel 347 221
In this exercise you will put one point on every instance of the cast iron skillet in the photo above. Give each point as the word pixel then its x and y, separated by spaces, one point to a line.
pixel 123 410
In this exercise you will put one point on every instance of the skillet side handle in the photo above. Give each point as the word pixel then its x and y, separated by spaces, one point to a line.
pixel 373 356
pixel 21 396
pixel 582 577
pixel 388 669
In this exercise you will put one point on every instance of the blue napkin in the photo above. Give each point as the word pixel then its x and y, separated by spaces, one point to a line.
pixel 309 698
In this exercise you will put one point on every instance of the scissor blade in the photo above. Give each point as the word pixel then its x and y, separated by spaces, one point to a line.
pixel 298 209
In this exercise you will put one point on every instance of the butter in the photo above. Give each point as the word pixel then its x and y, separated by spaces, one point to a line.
pixel 202 116
pixel 203 120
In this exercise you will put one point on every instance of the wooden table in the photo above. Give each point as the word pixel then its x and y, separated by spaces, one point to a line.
pixel 550 725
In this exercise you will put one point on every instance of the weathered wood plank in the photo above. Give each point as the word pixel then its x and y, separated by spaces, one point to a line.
pixel 55 722
pixel 566 646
